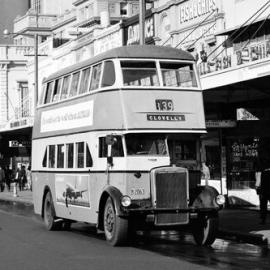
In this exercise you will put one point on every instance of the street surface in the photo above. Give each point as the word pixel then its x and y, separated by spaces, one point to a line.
pixel 26 244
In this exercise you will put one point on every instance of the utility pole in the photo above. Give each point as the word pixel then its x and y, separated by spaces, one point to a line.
pixel 142 22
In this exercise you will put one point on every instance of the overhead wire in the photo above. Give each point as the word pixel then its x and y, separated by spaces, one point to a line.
pixel 260 11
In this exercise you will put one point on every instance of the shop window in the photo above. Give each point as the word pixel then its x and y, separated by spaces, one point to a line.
pixel 56 91
pixel 51 156
pixel 74 84
pixel 108 74
pixel 89 160
pixel 44 162
pixel 70 155
pixel 95 78
pixel 60 156
pixel 80 154
pixel 117 147
pixel 84 81
pixel 65 87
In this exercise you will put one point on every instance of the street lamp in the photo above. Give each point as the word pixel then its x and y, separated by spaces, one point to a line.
pixel 35 36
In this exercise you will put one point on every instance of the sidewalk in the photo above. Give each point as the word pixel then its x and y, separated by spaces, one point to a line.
pixel 241 224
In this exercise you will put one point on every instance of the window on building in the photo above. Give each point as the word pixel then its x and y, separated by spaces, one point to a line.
pixel 56 91
pixel 51 156
pixel 108 77
pixel 36 5
pixel 84 81
pixel 123 9
pixel 74 84
pixel 65 87
pixel 80 154
pixel 60 155
pixel 70 155
pixel 49 92
pixel 95 77
pixel 24 103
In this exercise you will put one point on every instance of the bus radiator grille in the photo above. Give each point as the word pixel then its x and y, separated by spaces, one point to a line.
pixel 171 192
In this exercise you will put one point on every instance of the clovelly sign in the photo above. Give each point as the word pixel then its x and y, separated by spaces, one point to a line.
pixel 220 123
pixel 166 117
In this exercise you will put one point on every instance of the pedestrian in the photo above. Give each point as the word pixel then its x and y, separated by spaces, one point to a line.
pixel 22 177
pixel 262 174
pixel 2 179
pixel 29 178
pixel 8 174
pixel 206 173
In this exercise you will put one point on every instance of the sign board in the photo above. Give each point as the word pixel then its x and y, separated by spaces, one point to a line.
pixel 19 144
pixel 73 116
pixel 220 123
pixel 244 115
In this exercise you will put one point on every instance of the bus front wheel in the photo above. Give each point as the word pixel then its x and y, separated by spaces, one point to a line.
pixel 49 214
pixel 204 230
pixel 115 228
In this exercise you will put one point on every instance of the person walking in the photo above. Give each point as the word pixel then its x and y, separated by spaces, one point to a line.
pixel 29 178
pixel 22 177
pixel 8 174
pixel 262 174
pixel 2 179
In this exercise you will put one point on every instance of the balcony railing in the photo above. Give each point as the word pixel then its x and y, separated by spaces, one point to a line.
pixel 24 110
pixel 14 52
pixel 32 20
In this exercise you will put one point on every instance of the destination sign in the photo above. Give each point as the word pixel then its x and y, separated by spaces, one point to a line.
pixel 166 117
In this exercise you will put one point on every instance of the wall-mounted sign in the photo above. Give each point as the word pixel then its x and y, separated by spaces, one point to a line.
pixel 193 9
pixel 20 123
pixel 243 114
pixel 19 144
pixel 133 32
pixel 220 123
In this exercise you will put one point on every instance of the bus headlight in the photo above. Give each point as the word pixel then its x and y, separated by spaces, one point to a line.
pixel 125 201
pixel 220 199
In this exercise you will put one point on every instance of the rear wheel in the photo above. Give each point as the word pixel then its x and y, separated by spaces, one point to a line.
pixel 115 228
pixel 204 230
pixel 49 214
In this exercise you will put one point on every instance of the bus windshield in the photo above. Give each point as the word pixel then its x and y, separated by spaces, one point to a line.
pixel 146 144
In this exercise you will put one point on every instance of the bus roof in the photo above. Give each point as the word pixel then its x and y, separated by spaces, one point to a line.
pixel 133 51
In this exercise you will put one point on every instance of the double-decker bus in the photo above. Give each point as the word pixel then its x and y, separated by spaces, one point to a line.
pixel 116 144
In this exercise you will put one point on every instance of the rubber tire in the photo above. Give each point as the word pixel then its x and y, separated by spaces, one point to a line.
pixel 204 230
pixel 115 228
pixel 49 216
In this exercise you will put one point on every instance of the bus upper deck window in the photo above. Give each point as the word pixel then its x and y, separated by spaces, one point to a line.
pixel 56 91
pixel 84 81
pixel 139 73
pixel 95 78
pixel 65 87
pixel 60 156
pixel 49 92
pixel 89 160
pixel 44 161
pixel 178 74
pixel 108 77
pixel 80 154
pixel 70 155
pixel 74 84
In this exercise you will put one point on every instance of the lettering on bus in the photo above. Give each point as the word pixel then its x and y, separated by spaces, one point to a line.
pixel 166 117
pixel 74 116
pixel 164 105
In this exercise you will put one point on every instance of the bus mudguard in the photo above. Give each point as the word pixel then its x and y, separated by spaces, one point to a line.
pixel 116 195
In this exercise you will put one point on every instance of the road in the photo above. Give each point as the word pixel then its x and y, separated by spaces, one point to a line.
pixel 25 244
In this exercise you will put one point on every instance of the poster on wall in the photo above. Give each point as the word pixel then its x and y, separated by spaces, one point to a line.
pixel 72 190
